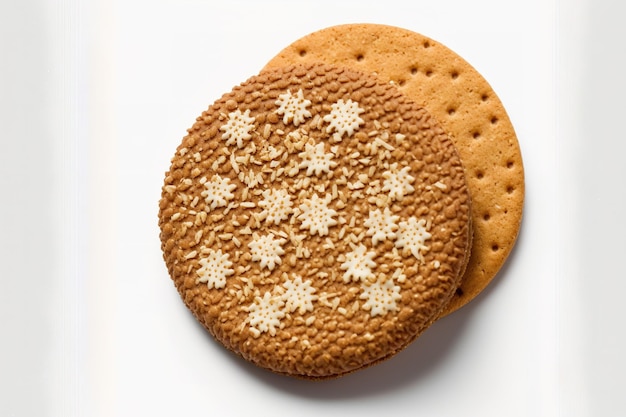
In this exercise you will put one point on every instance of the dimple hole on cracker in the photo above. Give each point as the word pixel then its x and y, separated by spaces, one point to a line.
pixel 484 97
pixel 451 111
pixel 509 164
pixel 486 217
pixel 454 75
pixel 413 70
pixel 494 120
pixel 495 247
pixel 476 135
pixel 302 52
pixel 360 57
pixel 479 175
pixel 426 44
pixel 510 189
pixel 429 73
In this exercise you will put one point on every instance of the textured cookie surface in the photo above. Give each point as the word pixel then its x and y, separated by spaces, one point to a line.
pixel 469 110
pixel 315 221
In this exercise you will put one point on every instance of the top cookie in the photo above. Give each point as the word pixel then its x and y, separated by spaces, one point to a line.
pixel 315 220
pixel 452 91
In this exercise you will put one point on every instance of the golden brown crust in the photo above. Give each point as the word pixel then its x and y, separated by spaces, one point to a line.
pixel 467 107
pixel 269 222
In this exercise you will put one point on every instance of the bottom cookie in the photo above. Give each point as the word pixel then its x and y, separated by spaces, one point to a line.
pixel 455 93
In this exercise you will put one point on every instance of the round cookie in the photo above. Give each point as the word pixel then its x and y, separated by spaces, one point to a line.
pixel 459 97
pixel 315 220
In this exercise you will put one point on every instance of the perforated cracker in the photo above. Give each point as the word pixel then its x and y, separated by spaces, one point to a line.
pixel 315 221
pixel 467 107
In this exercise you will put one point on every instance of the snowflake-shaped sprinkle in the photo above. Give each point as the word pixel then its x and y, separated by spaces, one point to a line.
pixel 238 127
pixel 412 235
pixel 218 191
pixel 276 204
pixel 293 107
pixel 380 298
pixel 314 159
pixel 265 314
pixel 358 264
pixel 214 269
pixel 316 215
pixel 298 295
pixel 344 117
pixel 381 225
pixel 398 183
pixel 267 250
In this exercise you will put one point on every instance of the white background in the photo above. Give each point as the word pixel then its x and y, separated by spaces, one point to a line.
pixel 96 95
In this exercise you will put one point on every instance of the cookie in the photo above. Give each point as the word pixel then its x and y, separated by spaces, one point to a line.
pixel 315 220
pixel 467 107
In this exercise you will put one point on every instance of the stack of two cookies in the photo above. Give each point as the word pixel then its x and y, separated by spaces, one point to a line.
pixel 321 215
